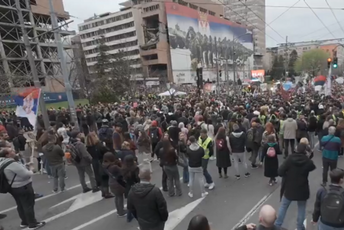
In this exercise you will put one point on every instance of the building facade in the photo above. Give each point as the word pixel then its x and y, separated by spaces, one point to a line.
pixel 15 68
pixel 254 18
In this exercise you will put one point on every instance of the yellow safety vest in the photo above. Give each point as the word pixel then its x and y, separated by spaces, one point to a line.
pixel 334 119
pixel 204 145
pixel 281 127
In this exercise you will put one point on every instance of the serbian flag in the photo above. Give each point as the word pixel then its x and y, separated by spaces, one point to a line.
pixel 27 104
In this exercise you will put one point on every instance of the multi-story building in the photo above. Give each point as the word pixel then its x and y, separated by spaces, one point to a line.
pixel 269 57
pixel 121 32
pixel 15 68
pixel 328 45
pixel 254 18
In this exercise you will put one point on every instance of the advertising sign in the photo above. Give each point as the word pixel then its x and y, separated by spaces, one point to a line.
pixel 258 74
pixel 199 39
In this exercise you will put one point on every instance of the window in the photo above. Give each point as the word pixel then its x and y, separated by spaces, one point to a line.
pixel 203 10
pixel 151 8
pixel 181 2
pixel 192 6
pixel 211 13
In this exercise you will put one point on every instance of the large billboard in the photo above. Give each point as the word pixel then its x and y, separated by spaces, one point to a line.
pixel 200 39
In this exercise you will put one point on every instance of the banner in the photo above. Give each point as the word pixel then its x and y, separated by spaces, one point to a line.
pixel 27 104
pixel 258 74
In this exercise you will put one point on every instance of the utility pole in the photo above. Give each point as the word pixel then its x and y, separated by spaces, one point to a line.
pixel 234 65
pixel 217 69
pixel 32 65
pixel 226 70
pixel 286 56
pixel 63 63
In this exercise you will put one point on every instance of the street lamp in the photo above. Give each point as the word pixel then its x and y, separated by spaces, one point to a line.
pixel 234 61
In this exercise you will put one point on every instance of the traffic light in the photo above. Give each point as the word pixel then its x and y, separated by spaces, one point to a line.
pixel 335 63
pixel 329 61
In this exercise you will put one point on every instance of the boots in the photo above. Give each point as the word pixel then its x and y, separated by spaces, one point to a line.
pixel 105 193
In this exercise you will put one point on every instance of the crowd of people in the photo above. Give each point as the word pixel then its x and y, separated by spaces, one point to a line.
pixel 249 131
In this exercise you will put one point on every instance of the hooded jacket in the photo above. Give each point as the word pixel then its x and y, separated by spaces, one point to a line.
pixel 22 175
pixel 237 140
pixel 289 129
pixel 148 206
pixel 294 171
pixel 53 153
pixel 195 154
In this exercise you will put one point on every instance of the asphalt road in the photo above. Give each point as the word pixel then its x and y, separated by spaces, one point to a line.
pixel 231 203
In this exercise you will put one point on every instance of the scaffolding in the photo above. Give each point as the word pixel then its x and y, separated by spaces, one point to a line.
pixel 15 71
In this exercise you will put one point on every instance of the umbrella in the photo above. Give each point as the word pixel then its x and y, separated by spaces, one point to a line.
pixel 287 85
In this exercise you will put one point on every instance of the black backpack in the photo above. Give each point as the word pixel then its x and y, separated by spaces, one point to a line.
pixel 332 207
pixel 74 154
pixel 5 187
pixel 154 135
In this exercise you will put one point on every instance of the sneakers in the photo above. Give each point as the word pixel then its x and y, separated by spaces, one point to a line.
pixel 237 177
pixel 190 194
pixel 212 186
pixel 55 191
pixel 226 176
pixel 95 190
pixel 220 175
pixel 253 166
pixel 247 175
pixel 206 185
pixel 38 225
pixel 123 215
pixel 204 194
pixel 23 226
pixel 86 190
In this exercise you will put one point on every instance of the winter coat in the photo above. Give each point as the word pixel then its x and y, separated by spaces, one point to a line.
pixel 195 154
pixel 144 146
pixel 301 129
pixel 289 129
pixel 86 158
pixel 54 154
pixel 237 141
pixel 148 205
pixel 223 154
pixel 131 177
pixel 270 163
pixel 115 179
pixel 294 172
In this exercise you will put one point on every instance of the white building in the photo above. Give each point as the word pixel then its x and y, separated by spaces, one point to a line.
pixel 121 30
pixel 236 11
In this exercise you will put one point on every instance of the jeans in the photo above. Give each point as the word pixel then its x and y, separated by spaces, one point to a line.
pixel 328 164
pixel 25 200
pixel 46 166
pixel 322 226
pixel 242 157
pixel 173 179
pixel 96 169
pixel 311 139
pixel 119 201
pixel 301 213
pixel 58 173
pixel 286 146
pixel 164 180
pixel 319 138
pixel 88 170
pixel 254 155
pixel 206 174
pixel 185 175
pixel 130 216
pixel 193 173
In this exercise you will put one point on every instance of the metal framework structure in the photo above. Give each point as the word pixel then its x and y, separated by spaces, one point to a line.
pixel 15 70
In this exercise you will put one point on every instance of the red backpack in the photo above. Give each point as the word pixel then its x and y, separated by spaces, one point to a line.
pixel 220 144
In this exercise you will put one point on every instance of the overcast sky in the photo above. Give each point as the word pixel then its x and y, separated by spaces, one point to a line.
pixel 297 24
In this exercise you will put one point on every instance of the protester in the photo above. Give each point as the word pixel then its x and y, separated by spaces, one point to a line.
pixel 223 151
pixel 54 155
pixel 327 208
pixel 267 217
pixel 147 204
pixel 289 134
pixel 206 143
pixel 295 187
pixel 195 156
pixel 237 141
pixel 270 153
pixel 20 182
pixel 331 146
pixel 117 184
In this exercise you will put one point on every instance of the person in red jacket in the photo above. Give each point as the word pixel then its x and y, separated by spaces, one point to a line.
pixel 2 128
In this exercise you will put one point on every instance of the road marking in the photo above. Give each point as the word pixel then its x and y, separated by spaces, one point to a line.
pixel 66 201
pixel 42 198
pixel 82 201
pixel 176 216
pixel 253 211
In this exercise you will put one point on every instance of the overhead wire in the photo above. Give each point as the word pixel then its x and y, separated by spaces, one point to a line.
pixel 285 11
pixel 319 19
pixel 245 19
pixel 262 19
pixel 334 15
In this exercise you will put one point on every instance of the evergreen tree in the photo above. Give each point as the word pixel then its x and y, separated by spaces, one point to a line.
pixel 291 64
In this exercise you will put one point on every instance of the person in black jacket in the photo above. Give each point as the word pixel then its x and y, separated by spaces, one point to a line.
pixel 295 187
pixel 147 204
pixel 312 128
pixel 326 218
pixel 195 155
